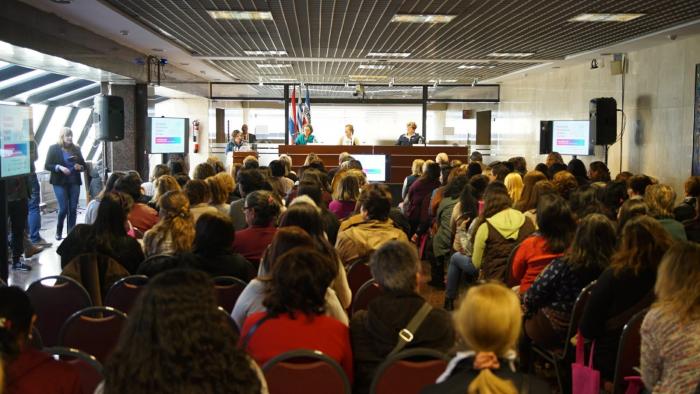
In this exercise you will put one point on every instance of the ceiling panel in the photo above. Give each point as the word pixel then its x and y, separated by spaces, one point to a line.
pixel 326 33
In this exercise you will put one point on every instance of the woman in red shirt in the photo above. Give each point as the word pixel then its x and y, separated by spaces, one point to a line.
pixel 27 370
pixel 295 319
pixel 261 209
pixel 557 226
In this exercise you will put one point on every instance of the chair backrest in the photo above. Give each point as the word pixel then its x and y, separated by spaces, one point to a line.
pixel 54 304
pixel 96 272
pixel 228 289
pixel 93 330
pixel 576 315
pixel 230 321
pixel 509 266
pixel 369 291
pixel 305 372
pixel 628 352
pixel 409 371
pixel 123 292
pixel 89 369
pixel 358 274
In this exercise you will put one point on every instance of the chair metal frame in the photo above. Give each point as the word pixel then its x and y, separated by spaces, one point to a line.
pixel 316 355
pixel 634 323
pixel 371 282
pixel 87 311
pixel 560 359
pixel 405 355
pixel 222 282
pixel 127 280
pixel 79 354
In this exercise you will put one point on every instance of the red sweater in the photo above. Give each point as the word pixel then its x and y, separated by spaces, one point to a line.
pixel 143 217
pixel 531 258
pixel 251 242
pixel 35 372
pixel 282 334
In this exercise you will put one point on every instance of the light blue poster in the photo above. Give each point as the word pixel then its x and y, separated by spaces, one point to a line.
pixel 15 128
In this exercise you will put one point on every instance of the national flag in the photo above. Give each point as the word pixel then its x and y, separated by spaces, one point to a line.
pixel 302 121
pixel 307 107
pixel 292 133
pixel 294 111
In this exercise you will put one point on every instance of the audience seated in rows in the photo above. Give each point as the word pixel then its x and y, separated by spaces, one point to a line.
pixel 29 370
pixel 213 245
pixel 176 340
pixel 375 331
pixel 164 184
pixel 295 303
pixel 248 181
pixel 219 192
pixel 198 194
pixel 149 188
pixel 345 197
pixel 261 210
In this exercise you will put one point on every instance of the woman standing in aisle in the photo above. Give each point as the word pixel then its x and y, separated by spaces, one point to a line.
pixel 65 162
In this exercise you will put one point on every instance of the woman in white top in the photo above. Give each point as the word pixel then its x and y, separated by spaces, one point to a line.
pixel 349 138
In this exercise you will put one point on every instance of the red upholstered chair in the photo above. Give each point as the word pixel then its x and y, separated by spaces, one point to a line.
pixel 89 369
pixel 228 289
pixel 93 330
pixel 53 304
pixel 123 293
pixel 358 274
pixel 409 371
pixel 369 291
pixel 305 372
pixel 628 353
pixel 562 358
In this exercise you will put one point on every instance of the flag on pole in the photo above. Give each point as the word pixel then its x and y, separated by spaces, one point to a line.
pixel 307 107
pixel 295 127
pixel 302 121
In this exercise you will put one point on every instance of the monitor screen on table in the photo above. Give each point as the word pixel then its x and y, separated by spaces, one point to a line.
pixel 374 166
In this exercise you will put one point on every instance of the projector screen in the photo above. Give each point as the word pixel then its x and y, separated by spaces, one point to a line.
pixel 571 137
pixel 374 166
pixel 168 135
pixel 15 130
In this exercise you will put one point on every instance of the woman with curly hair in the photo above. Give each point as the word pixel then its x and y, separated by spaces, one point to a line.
pixel 174 233
pixel 177 341
pixel 295 303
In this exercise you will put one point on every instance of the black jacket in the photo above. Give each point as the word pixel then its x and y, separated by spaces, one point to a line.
pixel 83 239
pixel 225 264
pixel 55 157
pixel 374 332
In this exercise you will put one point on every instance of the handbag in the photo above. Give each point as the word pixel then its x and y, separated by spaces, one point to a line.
pixel 584 378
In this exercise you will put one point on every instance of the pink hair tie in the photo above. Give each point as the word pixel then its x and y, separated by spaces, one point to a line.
pixel 486 360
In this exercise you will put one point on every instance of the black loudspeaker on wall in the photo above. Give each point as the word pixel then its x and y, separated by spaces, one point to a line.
pixel 109 122
pixel 602 114
pixel 546 136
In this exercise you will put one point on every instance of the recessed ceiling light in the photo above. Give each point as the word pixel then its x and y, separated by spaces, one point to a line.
pixel 422 18
pixel 267 65
pixel 389 54
pixel 605 17
pixel 469 67
pixel 241 15
pixel 373 66
pixel 511 54
pixel 265 53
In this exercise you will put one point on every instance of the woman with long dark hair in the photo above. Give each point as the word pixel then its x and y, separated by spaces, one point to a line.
pixel 556 229
pixel 65 163
pixel 108 235
pixel 548 302
pixel 624 289
pixel 417 200
pixel 177 341
pixel 213 239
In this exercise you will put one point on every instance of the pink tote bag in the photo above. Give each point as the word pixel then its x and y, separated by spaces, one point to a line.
pixel 584 379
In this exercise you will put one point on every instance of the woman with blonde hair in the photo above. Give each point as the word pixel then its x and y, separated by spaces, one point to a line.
pixel 526 200
pixel 670 355
pixel 514 184
pixel 660 200
pixel 219 192
pixel 488 321
pixel 174 233
pixel 163 184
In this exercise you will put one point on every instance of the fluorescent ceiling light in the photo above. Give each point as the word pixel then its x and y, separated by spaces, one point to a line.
pixel 469 67
pixel 389 54
pixel 605 17
pixel 265 53
pixel 373 66
pixel 422 18
pixel 267 65
pixel 511 54
pixel 282 79
pixel 443 81
pixel 241 15
pixel 366 77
